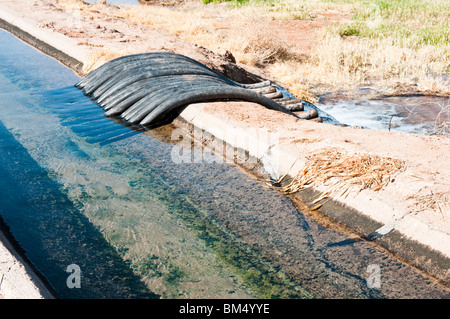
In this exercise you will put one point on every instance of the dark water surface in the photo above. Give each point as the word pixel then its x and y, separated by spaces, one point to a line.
pixel 77 188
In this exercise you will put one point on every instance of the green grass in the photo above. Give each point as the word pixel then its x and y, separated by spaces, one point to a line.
pixel 416 22
pixel 396 43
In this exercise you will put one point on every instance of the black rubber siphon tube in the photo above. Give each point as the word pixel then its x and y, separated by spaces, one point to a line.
pixel 150 88
pixel 152 80
pixel 117 64
pixel 136 93
pixel 158 59
pixel 204 94
pixel 149 71
pixel 146 105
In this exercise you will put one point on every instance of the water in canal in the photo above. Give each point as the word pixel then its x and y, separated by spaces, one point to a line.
pixel 78 189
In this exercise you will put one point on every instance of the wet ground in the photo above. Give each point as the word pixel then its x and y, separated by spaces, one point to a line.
pixel 77 188
pixel 420 114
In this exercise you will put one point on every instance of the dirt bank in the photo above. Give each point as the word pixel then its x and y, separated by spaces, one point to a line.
pixel 413 205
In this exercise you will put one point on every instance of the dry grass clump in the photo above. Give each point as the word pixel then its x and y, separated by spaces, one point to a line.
pixel 442 122
pixel 442 129
pixel 260 45
pixel 387 64
pixel 245 31
pixel 431 202
pixel 342 171
pixel 98 57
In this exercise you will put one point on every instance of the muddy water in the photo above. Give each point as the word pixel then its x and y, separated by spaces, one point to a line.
pixel 77 188
pixel 420 114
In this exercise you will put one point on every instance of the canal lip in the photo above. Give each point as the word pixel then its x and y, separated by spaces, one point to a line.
pixel 365 213
pixel 56 45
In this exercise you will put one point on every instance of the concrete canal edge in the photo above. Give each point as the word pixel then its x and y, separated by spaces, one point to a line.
pixel 424 248
pixel 51 43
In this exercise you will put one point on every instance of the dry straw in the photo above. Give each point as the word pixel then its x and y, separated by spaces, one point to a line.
pixel 342 171
pixel 95 59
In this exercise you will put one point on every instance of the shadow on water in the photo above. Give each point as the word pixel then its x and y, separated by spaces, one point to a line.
pixel 55 234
